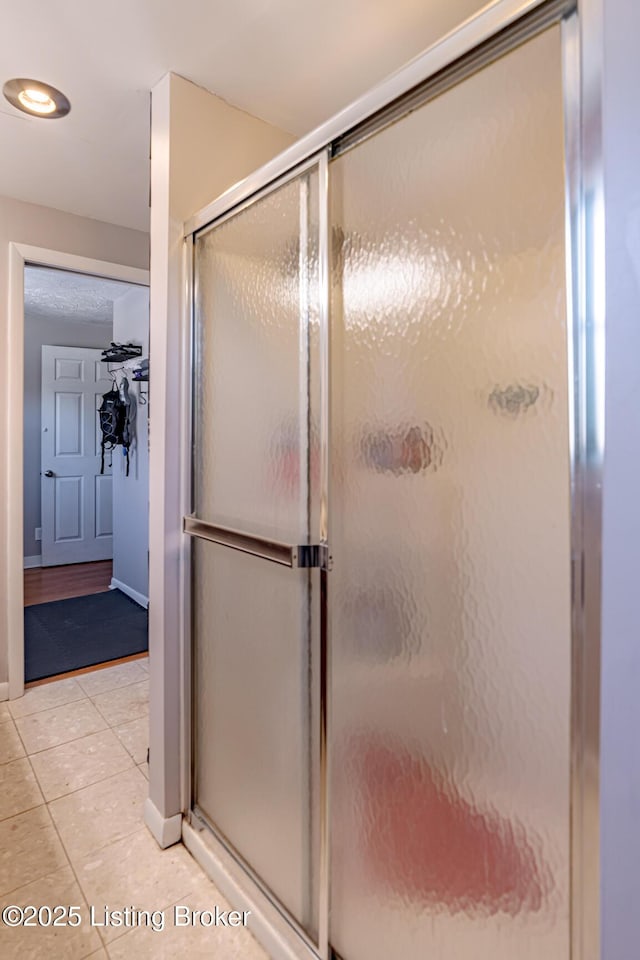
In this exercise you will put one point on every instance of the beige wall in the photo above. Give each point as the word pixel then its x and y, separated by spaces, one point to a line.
pixel 131 493
pixel 200 146
pixel 213 145
pixel 620 652
pixel 37 226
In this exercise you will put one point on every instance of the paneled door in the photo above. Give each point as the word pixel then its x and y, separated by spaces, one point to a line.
pixel 256 549
pixel 77 520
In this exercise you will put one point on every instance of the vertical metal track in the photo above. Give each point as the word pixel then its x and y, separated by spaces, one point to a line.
pixel 305 534
pixel 304 377
pixel 582 68
pixel 325 483
pixel 186 479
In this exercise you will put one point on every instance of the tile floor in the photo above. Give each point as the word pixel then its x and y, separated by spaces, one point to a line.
pixel 73 780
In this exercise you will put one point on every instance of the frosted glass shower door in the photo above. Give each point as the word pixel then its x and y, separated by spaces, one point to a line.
pixel 450 588
pixel 255 481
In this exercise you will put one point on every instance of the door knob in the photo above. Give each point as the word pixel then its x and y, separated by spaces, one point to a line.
pixel 49 473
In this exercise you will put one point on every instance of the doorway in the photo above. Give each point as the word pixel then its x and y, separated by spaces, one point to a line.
pixel 84 301
pixel 85 504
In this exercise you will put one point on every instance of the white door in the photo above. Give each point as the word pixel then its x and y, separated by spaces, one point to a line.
pixel 77 522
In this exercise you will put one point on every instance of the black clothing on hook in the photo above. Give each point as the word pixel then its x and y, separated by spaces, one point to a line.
pixel 114 423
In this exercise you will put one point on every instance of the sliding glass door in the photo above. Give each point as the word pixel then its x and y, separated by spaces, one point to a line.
pixel 451 527
pixel 255 605
pixel 419 589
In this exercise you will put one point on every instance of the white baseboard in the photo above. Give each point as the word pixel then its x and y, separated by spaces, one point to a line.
pixel 165 831
pixel 30 562
pixel 130 592
pixel 4 691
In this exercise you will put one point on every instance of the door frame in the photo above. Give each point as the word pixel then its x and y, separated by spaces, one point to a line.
pixel 582 54
pixel 20 255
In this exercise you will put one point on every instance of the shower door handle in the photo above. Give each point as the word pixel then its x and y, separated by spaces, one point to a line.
pixel 287 555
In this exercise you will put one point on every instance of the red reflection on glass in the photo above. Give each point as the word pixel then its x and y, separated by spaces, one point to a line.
pixel 424 841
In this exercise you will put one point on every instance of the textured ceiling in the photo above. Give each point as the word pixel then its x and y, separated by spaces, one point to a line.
pixel 293 63
pixel 59 295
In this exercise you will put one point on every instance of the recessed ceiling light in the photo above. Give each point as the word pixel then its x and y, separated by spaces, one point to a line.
pixel 38 99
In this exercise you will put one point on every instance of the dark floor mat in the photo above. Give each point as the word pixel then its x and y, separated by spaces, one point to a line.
pixel 69 634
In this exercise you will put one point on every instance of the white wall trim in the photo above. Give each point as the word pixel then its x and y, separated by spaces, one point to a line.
pixel 15 479
pixel 165 831
pixel 4 691
pixel 69 261
pixel 129 591
pixel 19 254
pixel 30 562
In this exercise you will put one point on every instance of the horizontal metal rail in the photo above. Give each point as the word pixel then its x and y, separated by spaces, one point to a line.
pixel 473 33
pixel 305 555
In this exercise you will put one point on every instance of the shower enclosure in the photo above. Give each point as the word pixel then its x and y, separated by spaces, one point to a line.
pixel 387 391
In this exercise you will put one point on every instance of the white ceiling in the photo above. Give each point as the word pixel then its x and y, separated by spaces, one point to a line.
pixel 60 295
pixel 293 63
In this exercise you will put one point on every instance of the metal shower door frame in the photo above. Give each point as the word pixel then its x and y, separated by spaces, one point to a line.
pixel 498 28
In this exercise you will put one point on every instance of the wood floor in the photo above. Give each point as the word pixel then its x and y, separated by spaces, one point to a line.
pixel 43 584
